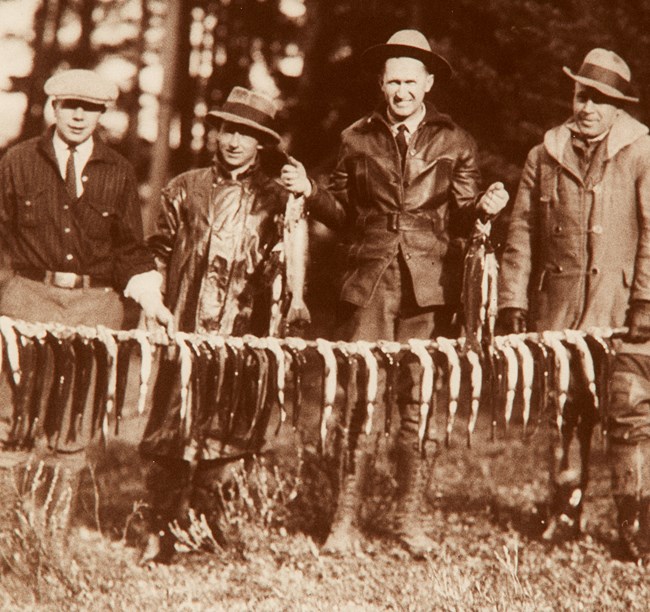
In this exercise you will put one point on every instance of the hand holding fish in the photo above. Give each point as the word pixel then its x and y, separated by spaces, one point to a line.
pixel 493 200
pixel 294 178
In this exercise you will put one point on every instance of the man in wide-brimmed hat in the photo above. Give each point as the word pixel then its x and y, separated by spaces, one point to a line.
pixel 406 192
pixel 578 256
pixel 213 244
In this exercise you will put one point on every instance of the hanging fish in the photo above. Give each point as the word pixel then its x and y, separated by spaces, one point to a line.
pixel 576 338
pixel 541 366
pixel 37 405
pixel 64 361
pixel 22 393
pixel 146 365
pixel 11 346
pixel 419 349
pixel 527 365
pixel 237 356
pixel 83 355
pixel 296 245
pixel 277 287
pixel 604 353
pixel 476 382
pixel 182 341
pixel 349 351
pixel 123 360
pixel 372 373
pixel 390 352
pixel 105 336
pixel 512 373
pixel 330 377
pixel 275 348
pixel 497 370
pixel 562 372
pixel 479 286
pixel 220 356
pixel 448 349
pixel 296 348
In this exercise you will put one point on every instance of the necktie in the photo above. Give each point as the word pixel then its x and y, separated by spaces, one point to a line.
pixel 400 139
pixel 71 175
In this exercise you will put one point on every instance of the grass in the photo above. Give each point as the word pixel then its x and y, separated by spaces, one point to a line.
pixel 484 512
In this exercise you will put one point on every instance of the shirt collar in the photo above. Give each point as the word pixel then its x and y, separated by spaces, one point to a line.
pixel 61 147
pixel 411 123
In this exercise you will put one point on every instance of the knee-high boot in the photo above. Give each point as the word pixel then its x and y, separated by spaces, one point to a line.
pixel 166 483
pixel 345 534
pixel 630 468
pixel 413 471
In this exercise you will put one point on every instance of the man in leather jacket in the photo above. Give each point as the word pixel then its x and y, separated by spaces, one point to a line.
pixel 405 191
pixel 577 257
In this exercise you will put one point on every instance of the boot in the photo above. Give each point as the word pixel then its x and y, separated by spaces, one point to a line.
pixel 629 533
pixel 412 480
pixel 166 483
pixel 210 480
pixel 345 535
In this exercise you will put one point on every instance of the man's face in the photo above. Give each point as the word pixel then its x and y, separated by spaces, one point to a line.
pixel 76 120
pixel 404 84
pixel 237 144
pixel 593 112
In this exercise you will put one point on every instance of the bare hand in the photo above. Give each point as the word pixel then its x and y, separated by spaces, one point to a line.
pixel 494 199
pixel 294 178
pixel 156 313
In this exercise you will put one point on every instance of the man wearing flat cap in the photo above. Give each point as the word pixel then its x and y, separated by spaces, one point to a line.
pixel 405 191
pixel 70 220
pixel 214 244
pixel 578 256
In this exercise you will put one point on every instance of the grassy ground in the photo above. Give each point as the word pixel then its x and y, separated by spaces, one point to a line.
pixel 482 510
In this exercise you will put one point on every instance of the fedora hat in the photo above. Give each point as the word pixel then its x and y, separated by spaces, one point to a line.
pixel 606 72
pixel 407 43
pixel 249 108
pixel 79 84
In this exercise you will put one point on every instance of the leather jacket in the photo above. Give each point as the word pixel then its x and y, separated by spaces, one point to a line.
pixel 424 211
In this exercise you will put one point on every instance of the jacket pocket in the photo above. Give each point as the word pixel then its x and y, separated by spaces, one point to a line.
pixel 27 209
pixel 97 218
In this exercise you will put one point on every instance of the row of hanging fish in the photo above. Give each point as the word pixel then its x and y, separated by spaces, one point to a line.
pixel 68 380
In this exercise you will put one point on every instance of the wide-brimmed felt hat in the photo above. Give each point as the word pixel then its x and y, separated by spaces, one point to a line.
pixel 249 108
pixel 407 43
pixel 606 72
pixel 80 84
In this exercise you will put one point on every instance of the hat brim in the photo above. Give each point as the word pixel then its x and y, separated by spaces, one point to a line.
pixel 269 135
pixel 607 90
pixel 99 101
pixel 373 59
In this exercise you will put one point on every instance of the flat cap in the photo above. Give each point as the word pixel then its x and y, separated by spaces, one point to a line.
pixel 78 84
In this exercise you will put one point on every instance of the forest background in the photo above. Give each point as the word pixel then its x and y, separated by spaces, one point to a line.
pixel 176 59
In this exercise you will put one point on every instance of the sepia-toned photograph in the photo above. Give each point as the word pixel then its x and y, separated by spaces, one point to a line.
pixel 321 305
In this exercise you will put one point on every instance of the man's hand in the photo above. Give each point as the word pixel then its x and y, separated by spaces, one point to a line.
pixel 293 177
pixel 639 322
pixel 511 321
pixel 156 313
pixel 493 201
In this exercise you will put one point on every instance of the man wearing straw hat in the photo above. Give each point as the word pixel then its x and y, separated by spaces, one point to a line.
pixel 406 191
pixel 578 256
pixel 214 244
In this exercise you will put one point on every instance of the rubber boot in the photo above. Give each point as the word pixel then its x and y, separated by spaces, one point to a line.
pixel 166 482
pixel 345 534
pixel 412 480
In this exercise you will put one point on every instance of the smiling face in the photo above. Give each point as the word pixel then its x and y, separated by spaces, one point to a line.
pixel 404 83
pixel 593 112
pixel 76 120
pixel 238 144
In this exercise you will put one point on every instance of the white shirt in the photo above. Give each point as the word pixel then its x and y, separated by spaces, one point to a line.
pixel 411 123
pixel 82 154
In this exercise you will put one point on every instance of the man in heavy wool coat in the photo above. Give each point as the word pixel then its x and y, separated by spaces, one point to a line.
pixel 578 256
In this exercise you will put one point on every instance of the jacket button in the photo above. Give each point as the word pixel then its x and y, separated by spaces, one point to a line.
pixel 559 268
pixel 595 270
pixel 557 229
pixel 28 203
pixel 407 256
pixel 597 229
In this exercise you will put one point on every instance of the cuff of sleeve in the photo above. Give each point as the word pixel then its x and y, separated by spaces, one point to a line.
pixel 141 287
